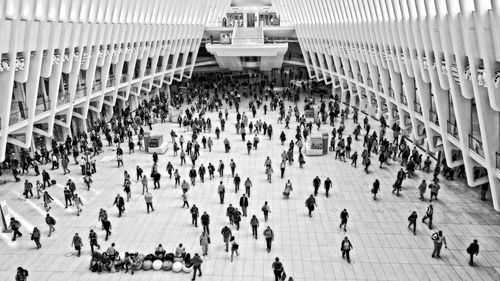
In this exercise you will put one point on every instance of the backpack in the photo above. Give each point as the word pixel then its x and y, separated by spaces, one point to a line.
pixel 435 236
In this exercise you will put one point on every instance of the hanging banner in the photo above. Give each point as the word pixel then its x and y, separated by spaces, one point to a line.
pixel 4 211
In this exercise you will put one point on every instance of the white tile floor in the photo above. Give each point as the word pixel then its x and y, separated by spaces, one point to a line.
pixel 384 249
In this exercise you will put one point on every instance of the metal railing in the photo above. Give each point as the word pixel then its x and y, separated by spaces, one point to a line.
pixel 433 117
pixel 452 129
pixel 476 145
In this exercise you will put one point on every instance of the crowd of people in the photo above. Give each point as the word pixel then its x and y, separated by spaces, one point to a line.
pixel 194 138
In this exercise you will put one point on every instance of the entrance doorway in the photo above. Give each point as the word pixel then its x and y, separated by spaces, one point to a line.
pixel 251 20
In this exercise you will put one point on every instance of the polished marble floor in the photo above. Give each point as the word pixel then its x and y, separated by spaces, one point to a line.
pixel 384 249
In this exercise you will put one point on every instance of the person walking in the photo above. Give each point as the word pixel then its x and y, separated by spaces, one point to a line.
pixel 106 224
pixel 310 203
pixel 78 204
pixel 196 261
pixel 288 189
pixel 50 222
pixel 185 200
pixel 328 185
pixel 28 189
pixel 192 175
pixel 229 213
pixel 316 184
pixel 234 247
pixel 412 220
pixel 15 225
pixel 439 240
pixel 77 243
pixel 148 197
pixel 205 222
pixel 194 215
pixel 103 215
pixel 35 236
pixel 120 204
pixel 421 188
pixel 226 235
pixel 277 269
pixel 67 197
pixel 282 168
pixel 254 223
pixel 46 179
pixel 221 190
pixel 232 165
pixel 269 235
pixel 93 241
pixel 428 215
pixel 346 247
pixel 156 180
pixel 204 241
pixel 344 215
pixel 237 218
pixel 375 189
pixel 236 182
pixel 472 250
pixel 244 204
pixel 434 187
pixel 266 210
pixel 248 185
pixel 269 173
pixel 47 199
pixel 144 181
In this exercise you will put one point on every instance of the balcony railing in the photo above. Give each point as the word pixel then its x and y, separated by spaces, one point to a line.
pixel 418 107
pixel 476 145
pixel 433 117
pixel 452 129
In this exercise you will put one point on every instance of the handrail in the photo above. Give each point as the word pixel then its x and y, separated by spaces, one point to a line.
pixel 476 145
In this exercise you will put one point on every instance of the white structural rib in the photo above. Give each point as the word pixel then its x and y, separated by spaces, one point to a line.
pixel 63 61
pixel 431 66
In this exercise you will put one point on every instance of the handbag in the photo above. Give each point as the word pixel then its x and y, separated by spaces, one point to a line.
pixel 283 276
